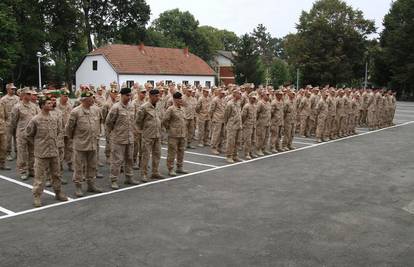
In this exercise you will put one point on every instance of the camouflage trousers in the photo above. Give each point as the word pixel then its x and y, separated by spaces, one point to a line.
pixel 43 168
pixel 203 131
pixel 68 150
pixel 217 135
pixel 276 136
pixel 3 148
pixel 249 140
pixel 263 133
pixel 176 146
pixel 321 126
pixel 304 125
pixel 84 163
pixel 121 155
pixel 288 133
pixel 232 142
pixel 190 127
pixel 371 119
pixel 151 147
pixel 11 141
pixel 25 155
pixel 137 148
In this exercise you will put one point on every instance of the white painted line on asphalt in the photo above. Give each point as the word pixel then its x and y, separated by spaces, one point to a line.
pixel 8 212
pixel 25 185
pixel 195 173
pixel 409 208
pixel 303 143
pixel 304 138
pixel 200 154
pixel 197 163
pixel 191 162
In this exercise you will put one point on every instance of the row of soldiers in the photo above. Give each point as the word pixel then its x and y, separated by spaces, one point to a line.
pixel 136 121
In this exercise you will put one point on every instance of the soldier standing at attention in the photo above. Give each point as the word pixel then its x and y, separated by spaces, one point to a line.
pixel 21 114
pixel 264 113
pixel 65 107
pixel 9 100
pixel 203 120
pixel 81 129
pixel 112 99
pixel 3 138
pixel 233 121
pixel 189 104
pixel 43 131
pixel 276 126
pixel 249 126
pixel 174 122
pixel 217 118
pixel 120 126
pixel 136 103
pixel 289 122
pixel 322 110
pixel 148 120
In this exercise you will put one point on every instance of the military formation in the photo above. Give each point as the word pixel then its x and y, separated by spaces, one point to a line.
pixel 46 131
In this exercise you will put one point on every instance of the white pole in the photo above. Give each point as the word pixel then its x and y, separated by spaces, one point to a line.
pixel 366 75
pixel 297 79
pixel 40 74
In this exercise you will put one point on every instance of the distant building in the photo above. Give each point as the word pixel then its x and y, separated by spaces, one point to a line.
pixel 223 65
pixel 138 63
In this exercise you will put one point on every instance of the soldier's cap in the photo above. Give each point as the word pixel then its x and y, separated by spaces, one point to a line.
pixel 278 92
pixel 113 90
pixel 253 95
pixel 177 95
pixel 44 98
pixel 125 91
pixel 25 90
pixel 10 86
pixel 206 89
pixel 154 92
pixel 86 95
pixel 190 89
pixel 33 92
pixel 64 92
pixel 19 91
pixel 142 89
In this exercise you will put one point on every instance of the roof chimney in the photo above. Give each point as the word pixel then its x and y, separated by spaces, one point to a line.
pixel 141 48
pixel 186 53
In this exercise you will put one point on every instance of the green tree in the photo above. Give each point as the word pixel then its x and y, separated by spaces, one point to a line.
pixel 280 73
pixel 394 62
pixel 330 44
pixel 180 29
pixel 10 45
pixel 247 64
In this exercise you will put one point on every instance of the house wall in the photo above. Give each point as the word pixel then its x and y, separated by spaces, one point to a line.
pixel 142 79
pixel 105 74
pixel 223 61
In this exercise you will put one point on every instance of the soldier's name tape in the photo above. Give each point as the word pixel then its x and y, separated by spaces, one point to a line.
pixel 198 172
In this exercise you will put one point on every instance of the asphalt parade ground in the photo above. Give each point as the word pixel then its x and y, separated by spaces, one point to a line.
pixel 347 202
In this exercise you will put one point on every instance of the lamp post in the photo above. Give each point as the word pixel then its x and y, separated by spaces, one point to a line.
pixel 39 55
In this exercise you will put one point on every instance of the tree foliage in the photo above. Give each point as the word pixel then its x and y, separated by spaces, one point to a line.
pixel 394 58
pixel 330 44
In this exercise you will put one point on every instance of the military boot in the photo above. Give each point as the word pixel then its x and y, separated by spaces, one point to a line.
pixel 229 160
pixel 114 185
pixel 93 189
pixel 9 157
pixel 259 153
pixel 24 177
pixel 215 152
pixel 157 176
pixel 131 181
pixel 172 173
pixel 180 170
pixel 59 195
pixel 5 168
pixel 144 178
pixel 37 202
pixel 78 190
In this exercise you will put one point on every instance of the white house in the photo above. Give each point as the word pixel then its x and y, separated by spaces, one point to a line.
pixel 223 64
pixel 138 63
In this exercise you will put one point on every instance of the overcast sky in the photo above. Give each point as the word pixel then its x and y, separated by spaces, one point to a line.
pixel 241 16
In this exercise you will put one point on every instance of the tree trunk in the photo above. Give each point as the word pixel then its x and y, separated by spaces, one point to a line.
pixel 87 27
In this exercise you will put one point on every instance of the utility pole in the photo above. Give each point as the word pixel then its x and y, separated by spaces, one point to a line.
pixel 366 74
pixel 297 79
pixel 39 55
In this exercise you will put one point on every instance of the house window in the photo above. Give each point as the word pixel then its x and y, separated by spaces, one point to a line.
pixel 95 65
pixel 129 84
pixel 151 82
pixel 168 82
pixel 196 83
pixel 185 82
pixel 208 84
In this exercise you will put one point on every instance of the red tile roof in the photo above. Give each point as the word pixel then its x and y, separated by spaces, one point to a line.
pixel 140 59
